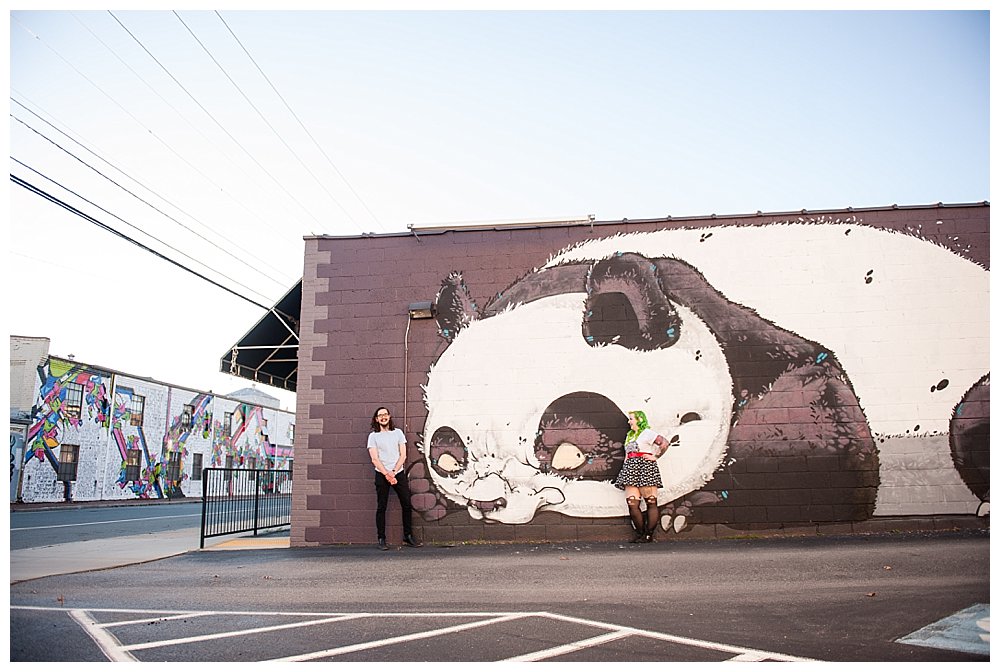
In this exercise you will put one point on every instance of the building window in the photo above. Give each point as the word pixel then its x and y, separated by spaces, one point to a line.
pixel 105 412
pixel 196 467
pixel 227 424
pixel 133 462
pixel 174 466
pixel 187 416
pixel 73 404
pixel 136 408
pixel 69 456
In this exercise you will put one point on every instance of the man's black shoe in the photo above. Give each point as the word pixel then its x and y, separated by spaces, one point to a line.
pixel 382 545
pixel 410 541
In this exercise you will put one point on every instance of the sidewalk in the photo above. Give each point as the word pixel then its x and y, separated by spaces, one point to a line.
pixel 85 556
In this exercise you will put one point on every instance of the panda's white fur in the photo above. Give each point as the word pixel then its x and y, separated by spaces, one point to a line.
pixel 900 314
pixel 495 381
pixel 922 318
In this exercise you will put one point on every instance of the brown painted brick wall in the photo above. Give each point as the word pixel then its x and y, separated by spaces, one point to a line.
pixel 355 354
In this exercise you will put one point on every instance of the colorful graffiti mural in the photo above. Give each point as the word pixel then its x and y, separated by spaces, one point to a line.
pixel 132 443
pixel 52 412
pixel 129 437
pixel 247 439
pixel 157 477
pixel 184 426
pixel 776 383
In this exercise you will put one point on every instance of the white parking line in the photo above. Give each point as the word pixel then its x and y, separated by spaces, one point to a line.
pixel 569 648
pixel 396 640
pixel 136 621
pixel 106 642
pixel 687 641
pixel 749 658
pixel 114 650
pixel 237 633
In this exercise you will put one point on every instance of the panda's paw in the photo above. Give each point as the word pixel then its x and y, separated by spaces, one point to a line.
pixel 676 524
pixel 425 498
pixel 674 518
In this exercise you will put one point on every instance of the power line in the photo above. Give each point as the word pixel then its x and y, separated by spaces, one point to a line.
pixel 52 199
pixel 129 114
pixel 190 125
pixel 129 224
pixel 142 200
pixel 289 108
pixel 217 122
pixel 264 119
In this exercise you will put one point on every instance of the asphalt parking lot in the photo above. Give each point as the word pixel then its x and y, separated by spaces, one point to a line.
pixel 850 598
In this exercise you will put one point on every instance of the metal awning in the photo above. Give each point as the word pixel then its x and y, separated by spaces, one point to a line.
pixel 269 352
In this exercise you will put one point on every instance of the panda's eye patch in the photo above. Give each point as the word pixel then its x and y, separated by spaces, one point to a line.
pixel 581 436
pixel 690 417
pixel 448 455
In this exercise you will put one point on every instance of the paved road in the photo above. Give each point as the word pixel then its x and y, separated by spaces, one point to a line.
pixel 65 538
pixel 849 598
pixel 31 528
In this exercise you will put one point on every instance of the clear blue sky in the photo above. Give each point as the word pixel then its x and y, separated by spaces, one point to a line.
pixel 441 117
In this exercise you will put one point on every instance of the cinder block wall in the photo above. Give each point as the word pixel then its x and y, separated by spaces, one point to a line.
pixel 824 438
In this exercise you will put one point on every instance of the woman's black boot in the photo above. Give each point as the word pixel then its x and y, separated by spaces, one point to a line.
pixel 652 518
pixel 638 522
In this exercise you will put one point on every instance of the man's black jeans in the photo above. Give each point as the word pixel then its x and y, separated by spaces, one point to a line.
pixel 402 489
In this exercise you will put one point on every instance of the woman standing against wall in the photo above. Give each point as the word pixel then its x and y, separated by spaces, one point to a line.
pixel 640 475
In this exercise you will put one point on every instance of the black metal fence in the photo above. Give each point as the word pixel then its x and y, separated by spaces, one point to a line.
pixel 244 500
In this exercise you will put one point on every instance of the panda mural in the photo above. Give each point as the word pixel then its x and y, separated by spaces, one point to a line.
pixel 775 359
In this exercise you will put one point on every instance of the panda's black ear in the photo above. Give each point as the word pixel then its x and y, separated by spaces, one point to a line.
pixel 455 307
pixel 627 305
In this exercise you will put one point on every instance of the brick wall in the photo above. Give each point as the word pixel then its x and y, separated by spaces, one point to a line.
pixel 778 465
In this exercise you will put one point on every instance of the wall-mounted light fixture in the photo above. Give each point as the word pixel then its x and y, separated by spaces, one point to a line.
pixel 421 310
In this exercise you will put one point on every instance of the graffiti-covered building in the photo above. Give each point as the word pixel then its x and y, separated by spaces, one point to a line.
pixel 808 371
pixel 94 433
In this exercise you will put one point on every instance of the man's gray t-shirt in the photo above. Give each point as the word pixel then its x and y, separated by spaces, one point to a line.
pixel 387 444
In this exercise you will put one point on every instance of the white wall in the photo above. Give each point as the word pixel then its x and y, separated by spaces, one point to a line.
pixel 105 432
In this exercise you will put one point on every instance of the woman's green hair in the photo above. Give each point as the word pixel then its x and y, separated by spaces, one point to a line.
pixel 640 422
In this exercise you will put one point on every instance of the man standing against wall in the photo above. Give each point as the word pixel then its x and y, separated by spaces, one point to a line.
pixel 387 448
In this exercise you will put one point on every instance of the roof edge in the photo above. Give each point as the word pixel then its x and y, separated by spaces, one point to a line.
pixel 98 368
pixel 431 230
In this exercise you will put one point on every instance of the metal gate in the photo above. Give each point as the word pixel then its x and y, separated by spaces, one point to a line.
pixel 244 500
